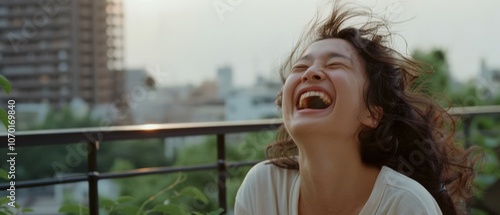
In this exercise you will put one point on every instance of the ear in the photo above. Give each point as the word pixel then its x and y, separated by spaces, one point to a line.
pixel 278 101
pixel 372 119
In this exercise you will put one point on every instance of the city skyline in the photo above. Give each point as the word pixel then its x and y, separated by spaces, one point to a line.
pixel 187 40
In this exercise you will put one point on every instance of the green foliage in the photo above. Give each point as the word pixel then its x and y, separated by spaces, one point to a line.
pixel 139 153
pixel 483 137
pixel 3 174
pixel 483 123
pixel 129 155
pixel 192 193
pixel 198 192
pixel 249 147
pixel 32 164
pixel 195 194
pixel 6 86
pixel 4 208
pixel 74 209
pixel 489 166
pixel 125 205
pixel 437 85
pixel 8 210
pixel 439 80
pixel 4 118
pixel 64 118
pixel 72 158
pixel 216 212
pixel 475 211
pixel 465 96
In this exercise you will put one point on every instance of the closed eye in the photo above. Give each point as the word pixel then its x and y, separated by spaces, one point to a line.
pixel 299 68
pixel 334 65
pixel 337 65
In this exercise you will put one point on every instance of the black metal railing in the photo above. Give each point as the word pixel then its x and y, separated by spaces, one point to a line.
pixel 93 136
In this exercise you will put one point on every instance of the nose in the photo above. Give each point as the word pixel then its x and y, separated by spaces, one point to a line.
pixel 312 74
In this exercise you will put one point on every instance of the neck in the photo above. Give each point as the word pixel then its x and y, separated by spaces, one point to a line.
pixel 334 179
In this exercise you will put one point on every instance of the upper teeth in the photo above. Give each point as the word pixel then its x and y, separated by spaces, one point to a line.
pixel 326 99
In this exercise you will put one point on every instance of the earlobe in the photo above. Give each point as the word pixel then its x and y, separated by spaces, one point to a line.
pixel 374 123
pixel 379 112
pixel 370 122
pixel 372 119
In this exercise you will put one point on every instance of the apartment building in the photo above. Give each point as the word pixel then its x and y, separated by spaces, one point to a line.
pixel 55 50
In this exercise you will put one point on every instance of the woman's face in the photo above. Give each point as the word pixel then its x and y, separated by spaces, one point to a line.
pixel 323 94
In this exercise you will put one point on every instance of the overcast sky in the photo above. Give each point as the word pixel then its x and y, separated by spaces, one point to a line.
pixel 184 41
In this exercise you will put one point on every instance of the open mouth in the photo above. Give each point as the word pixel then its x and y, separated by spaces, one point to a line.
pixel 314 100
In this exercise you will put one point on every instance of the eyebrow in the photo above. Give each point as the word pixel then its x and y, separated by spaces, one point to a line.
pixel 329 55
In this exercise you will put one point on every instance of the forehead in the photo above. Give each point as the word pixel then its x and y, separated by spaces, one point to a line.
pixel 331 47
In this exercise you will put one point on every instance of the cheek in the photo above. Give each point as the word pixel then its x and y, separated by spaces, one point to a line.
pixel 349 91
pixel 350 83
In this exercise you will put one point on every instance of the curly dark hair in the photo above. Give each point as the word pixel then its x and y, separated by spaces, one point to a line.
pixel 415 136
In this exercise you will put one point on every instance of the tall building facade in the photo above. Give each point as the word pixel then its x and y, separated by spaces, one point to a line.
pixel 224 81
pixel 56 50
pixel 488 82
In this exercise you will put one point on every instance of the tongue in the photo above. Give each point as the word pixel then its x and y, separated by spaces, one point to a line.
pixel 315 102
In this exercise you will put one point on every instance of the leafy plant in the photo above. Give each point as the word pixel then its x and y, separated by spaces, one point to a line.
pixel 125 204
pixel 5 209
pixel 7 87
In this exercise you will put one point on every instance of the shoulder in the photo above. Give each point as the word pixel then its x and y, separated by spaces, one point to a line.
pixel 264 183
pixel 265 175
pixel 266 172
pixel 402 194
pixel 263 168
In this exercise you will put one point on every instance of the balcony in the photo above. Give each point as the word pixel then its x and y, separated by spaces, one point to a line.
pixel 93 136
pixel 42 35
pixel 32 61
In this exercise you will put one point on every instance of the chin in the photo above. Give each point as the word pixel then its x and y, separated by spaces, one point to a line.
pixel 309 127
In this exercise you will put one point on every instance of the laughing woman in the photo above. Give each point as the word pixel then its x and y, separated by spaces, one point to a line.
pixel 357 137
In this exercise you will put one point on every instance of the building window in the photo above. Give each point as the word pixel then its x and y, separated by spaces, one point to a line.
pixel 44 79
pixel 46 68
pixel 62 55
pixel 64 91
pixel 4 23
pixel 4 10
pixel 263 100
pixel 63 67
pixel 63 78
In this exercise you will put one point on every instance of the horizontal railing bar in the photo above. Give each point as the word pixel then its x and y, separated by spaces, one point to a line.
pixel 243 163
pixel 155 170
pixel 77 135
pixel 475 110
pixel 46 182
pixel 125 174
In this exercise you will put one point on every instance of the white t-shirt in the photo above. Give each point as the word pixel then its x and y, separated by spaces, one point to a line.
pixel 269 190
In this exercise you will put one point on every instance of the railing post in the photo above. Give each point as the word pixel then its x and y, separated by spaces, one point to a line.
pixel 222 171
pixel 93 177
pixel 468 143
pixel 467 123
